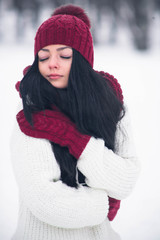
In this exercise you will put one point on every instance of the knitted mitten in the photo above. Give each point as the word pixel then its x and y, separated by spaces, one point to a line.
pixel 56 127
pixel 114 205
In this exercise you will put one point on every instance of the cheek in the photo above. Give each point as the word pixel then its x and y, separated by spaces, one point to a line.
pixel 41 68
pixel 69 68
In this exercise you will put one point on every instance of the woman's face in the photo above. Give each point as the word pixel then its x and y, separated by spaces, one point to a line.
pixel 55 64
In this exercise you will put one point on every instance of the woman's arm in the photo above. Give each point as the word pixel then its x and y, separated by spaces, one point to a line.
pixel 114 172
pixel 37 174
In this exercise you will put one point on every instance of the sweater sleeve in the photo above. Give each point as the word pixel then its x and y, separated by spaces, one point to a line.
pixel 116 172
pixel 51 201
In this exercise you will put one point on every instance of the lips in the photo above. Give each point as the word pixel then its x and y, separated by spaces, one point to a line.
pixel 54 76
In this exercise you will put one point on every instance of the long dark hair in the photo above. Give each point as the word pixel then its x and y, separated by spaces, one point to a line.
pixel 89 101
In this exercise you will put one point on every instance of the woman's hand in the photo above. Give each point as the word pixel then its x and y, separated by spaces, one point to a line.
pixel 56 127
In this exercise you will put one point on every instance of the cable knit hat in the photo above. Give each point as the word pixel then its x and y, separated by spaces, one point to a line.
pixel 69 25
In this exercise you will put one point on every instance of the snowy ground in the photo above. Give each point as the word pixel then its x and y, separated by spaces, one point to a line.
pixel 138 73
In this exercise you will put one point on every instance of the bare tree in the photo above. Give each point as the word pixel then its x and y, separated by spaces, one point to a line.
pixel 26 9
pixel 138 22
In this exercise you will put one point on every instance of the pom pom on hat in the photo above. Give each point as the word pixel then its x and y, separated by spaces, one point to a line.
pixel 74 11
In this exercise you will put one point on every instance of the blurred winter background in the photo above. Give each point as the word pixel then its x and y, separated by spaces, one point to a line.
pixel 127 45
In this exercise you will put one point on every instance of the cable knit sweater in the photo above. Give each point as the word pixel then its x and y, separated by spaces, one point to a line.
pixel 51 210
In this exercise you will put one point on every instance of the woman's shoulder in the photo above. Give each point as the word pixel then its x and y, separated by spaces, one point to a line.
pixel 113 82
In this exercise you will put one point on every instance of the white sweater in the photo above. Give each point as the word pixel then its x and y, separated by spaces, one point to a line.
pixel 49 209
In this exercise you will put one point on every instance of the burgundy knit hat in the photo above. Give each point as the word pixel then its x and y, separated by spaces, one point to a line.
pixel 69 25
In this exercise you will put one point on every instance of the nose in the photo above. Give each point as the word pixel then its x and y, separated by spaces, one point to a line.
pixel 53 62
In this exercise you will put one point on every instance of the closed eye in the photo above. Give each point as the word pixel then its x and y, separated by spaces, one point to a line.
pixel 43 59
pixel 64 57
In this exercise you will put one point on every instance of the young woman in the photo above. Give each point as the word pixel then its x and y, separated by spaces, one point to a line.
pixel 72 149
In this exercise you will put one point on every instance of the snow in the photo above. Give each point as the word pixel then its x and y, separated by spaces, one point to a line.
pixel 138 74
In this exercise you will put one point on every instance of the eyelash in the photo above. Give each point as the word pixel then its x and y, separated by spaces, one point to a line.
pixel 41 60
pixel 65 57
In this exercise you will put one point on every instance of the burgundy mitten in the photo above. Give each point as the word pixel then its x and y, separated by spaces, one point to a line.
pixel 114 205
pixel 56 127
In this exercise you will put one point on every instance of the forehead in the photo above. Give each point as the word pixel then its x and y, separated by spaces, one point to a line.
pixel 55 47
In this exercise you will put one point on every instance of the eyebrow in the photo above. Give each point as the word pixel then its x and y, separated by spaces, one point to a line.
pixel 58 49
pixel 62 48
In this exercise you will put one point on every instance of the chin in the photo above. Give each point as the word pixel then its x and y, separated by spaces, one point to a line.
pixel 59 86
